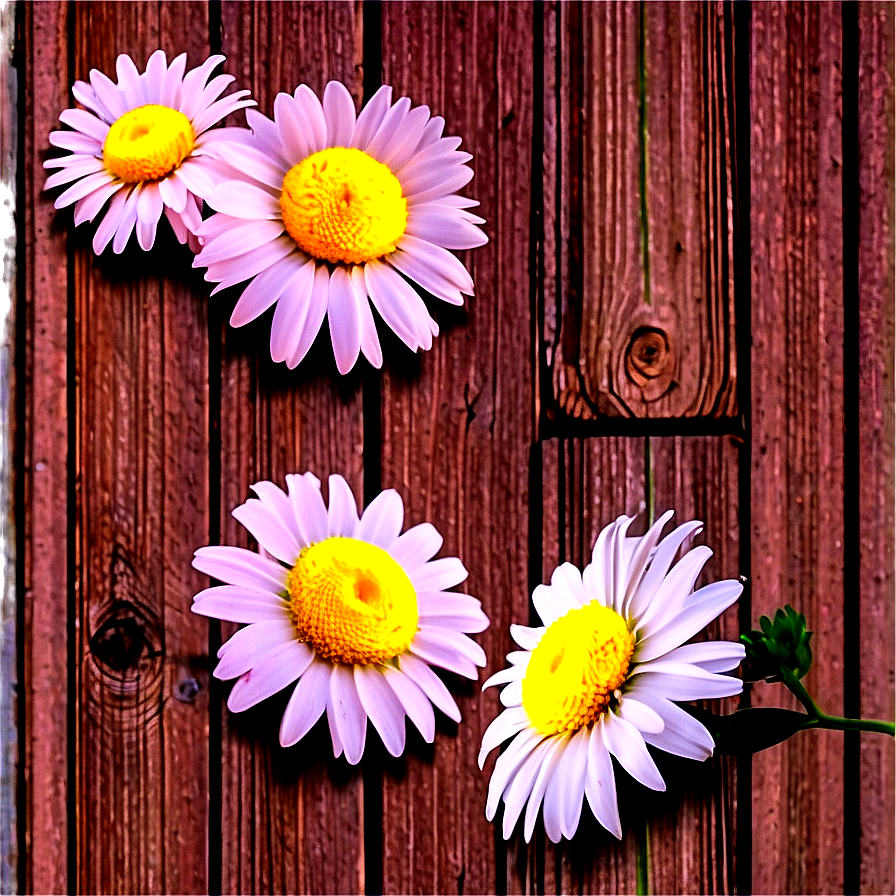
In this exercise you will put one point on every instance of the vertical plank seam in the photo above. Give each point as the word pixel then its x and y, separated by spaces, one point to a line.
pixel 851 447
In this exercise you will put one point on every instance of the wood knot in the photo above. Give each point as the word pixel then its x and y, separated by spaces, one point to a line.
pixel 647 355
pixel 126 640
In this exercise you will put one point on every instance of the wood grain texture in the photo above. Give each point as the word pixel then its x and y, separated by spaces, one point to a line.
pixel 141 412
pixel 458 420
pixel 693 845
pixel 46 577
pixel 876 439
pixel 292 820
pixel 586 484
pixel 639 175
pixel 797 461
pixel 10 477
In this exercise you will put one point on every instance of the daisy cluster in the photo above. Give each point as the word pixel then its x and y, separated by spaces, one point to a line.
pixel 320 211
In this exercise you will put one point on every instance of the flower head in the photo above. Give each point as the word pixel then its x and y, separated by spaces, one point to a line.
pixel 328 212
pixel 355 611
pixel 141 146
pixel 599 677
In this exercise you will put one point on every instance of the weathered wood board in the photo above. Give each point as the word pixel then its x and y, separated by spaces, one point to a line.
pixel 617 164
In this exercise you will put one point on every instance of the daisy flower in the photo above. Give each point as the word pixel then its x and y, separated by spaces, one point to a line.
pixel 599 677
pixel 140 146
pixel 353 610
pixel 326 210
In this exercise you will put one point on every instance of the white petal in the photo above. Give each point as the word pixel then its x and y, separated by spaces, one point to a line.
pixel 670 597
pixel 504 726
pixel 448 650
pixel 526 637
pixel 413 548
pixel 682 681
pixel 267 286
pixel 640 559
pixel 389 130
pixel 600 784
pixel 109 222
pixel 192 172
pixel 431 685
pixel 682 734
pixel 237 566
pixel 173 192
pixel 317 308
pixel 371 116
pixel 251 162
pixel 307 101
pixel 85 123
pixel 645 719
pixel 551 754
pixel 382 706
pixel 129 81
pixel 382 520
pixel 278 669
pixel 295 133
pixel 344 317
pixel 503 676
pixel 84 187
pixel 552 603
pixel 293 309
pixel 398 305
pixel 712 656
pixel 370 340
pixel 243 200
pixel 520 788
pixel 625 742
pixel 439 260
pixel 512 695
pixel 235 604
pixel 307 703
pixel 507 765
pixel 415 702
pixel 572 793
pixel 240 239
pixel 339 112
pixel 268 530
pixel 347 714
pixel 445 229
pixel 425 276
pixel 342 515
pixel 252 644
pixel 437 575
pixel 711 601
pixel 308 508
pixel 403 144
pixel 127 222
pixel 435 182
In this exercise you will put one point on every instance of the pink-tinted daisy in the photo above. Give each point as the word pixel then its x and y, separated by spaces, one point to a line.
pixel 600 679
pixel 352 608
pixel 139 147
pixel 327 210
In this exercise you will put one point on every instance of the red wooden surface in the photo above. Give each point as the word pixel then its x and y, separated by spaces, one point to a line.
pixel 144 418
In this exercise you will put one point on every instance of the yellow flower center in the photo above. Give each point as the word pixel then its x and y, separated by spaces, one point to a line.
pixel 579 662
pixel 341 205
pixel 352 602
pixel 147 143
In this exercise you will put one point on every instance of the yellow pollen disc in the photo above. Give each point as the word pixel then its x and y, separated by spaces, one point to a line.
pixel 575 668
pixel 341 205
pixel 352 602
pixel 147 143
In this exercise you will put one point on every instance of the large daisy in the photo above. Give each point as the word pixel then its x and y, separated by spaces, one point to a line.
pixel 140 146
pixel 355 611
pixel 600 678
pixel 326 209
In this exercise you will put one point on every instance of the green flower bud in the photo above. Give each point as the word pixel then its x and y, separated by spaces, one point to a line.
pixel 782 641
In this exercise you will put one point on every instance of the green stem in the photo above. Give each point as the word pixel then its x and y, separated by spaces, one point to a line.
pixel 838 723
pixel 642 862
pixel 818 719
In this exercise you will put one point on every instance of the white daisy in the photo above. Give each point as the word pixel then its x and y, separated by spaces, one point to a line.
pixel 140 145
pixel 326 210
pixel 599 677
pixel 355 611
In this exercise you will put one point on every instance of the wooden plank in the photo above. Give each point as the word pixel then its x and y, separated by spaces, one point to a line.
pixel 876 432
pixel 292 820
pixel 586 484
pixel 797 538
pixel 46 575
pixel 693 834
pixel 642 157
pixel 141 412
pixel 10 384
pixel 457 422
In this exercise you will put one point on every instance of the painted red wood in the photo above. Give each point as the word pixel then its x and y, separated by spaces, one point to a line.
pixel 797 460
pixel 458 422
pixel 639 153
pixel 291 819
pixel 42 314
pixel 876 439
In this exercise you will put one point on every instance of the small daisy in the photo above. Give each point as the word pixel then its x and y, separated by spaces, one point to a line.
pixel 326 210
pixel 140 145
pixel 355 611
pixel 599 677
